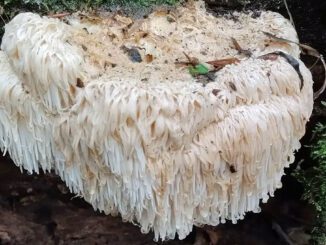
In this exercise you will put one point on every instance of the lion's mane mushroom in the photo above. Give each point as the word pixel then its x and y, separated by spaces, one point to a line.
pixel 101 101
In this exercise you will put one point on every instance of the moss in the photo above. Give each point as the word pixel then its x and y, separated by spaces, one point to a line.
pixel 10 8
pixel 242 3
pixel 313 180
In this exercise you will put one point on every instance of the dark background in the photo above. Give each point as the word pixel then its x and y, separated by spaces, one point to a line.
pixel 38 209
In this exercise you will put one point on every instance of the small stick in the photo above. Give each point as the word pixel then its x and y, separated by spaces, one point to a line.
pixel 305 48
pixel 193 61
pixel 240 50
pixel 236 44
pixel 322 89
pixel 4 22
pixel 289 13
pixel 278 229
pixel 60 15
pixel 223 62
pixel 314 64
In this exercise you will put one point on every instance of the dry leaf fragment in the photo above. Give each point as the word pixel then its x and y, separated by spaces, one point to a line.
pixel 79 83
pixel 237 46
pixel 219 64
pixel 289 58
pixel 149 58
pixel 59 15
pixel 306 49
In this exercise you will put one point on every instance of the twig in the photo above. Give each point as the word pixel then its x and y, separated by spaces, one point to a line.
pixel 7 16
pixel 223 62
pixel 290 59
pixel 278 229
pixel 60 15
pixel 308 51
pixel 305 48
pixel 193 61
pixel 237 46
pixel 322 89
pixel 4 22
pixel 314 64
pixel 289 13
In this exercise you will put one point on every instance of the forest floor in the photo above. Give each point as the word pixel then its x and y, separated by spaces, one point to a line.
pixel 38 209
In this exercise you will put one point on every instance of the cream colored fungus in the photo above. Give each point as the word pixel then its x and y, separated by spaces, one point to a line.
pixel 146 139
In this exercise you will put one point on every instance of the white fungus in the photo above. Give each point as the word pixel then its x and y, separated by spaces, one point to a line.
pixel 146 139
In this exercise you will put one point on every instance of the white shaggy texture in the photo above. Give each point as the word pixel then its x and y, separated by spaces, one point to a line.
pixel 147 140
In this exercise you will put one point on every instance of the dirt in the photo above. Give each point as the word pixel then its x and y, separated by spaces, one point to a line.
pixel 38 209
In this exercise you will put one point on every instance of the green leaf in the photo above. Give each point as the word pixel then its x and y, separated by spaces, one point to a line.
pixel 199 69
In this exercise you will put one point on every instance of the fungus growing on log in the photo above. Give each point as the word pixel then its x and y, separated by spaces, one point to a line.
pixel 109 104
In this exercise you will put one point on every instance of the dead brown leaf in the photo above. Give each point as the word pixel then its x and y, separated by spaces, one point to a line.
pixel 149 58
pixel 223 62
